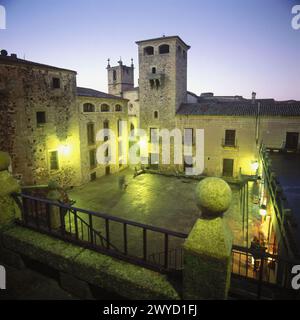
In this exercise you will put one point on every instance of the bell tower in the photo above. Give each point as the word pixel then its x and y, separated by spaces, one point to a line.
pixel 162 80
pixel 120 78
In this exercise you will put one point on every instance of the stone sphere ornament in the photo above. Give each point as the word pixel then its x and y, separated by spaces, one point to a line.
pixel 213 196
pixel 4 160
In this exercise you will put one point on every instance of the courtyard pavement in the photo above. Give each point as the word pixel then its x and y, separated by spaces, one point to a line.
pixel 167 202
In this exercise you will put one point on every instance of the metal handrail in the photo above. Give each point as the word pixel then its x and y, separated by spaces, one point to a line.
pixel 36 214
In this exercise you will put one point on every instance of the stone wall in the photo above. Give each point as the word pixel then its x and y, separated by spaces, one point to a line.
pixel 81 269
pixel 25 90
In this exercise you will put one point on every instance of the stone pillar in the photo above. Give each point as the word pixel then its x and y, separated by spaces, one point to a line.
pixel 207 250
pixel 54 195
pixel 8 185
pixel 207 260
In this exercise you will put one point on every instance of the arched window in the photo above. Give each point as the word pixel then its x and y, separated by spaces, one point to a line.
pixel 114 75
pixel 148 51
pixel 164 48
pixel 88 107
pixel 104 107
pixel 118 108
pixel 155 114
pixel 153 70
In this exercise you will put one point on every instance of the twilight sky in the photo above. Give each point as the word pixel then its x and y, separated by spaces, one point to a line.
pixel 236 46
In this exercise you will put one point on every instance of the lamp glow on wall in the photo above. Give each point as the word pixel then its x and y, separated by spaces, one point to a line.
pixel 64 150
pixel 254 165
pixel 263 210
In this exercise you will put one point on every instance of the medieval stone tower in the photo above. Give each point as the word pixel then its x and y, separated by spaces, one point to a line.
pixel 162 80
pixel 120 78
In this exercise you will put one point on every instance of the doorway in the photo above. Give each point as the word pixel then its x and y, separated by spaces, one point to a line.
pixel 228 167
pixel 291 141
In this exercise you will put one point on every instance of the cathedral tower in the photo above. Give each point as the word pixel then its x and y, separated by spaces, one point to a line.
pixel 162 80
pixel 120 78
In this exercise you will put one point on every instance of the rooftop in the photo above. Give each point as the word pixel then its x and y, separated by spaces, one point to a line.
pixel 87 92
pixel 14 60
pixel 164 38
pixel 238 106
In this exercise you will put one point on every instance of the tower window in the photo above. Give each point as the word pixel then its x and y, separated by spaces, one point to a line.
pixel 88 107
pixel 148 51
pixel 114 75
pixel 104 108
pixel 118 108
pixel 40 117
pixel 153 70
pixel 164 48
pixel 155 114
pixel 179 49
pixel 55 83
pixel 184 53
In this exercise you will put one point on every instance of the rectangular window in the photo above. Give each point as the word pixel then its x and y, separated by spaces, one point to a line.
pixel 93 161
pixel 91 133
pixel 40 117
pixel 154 135
pixel 55 83
pixel 188 138
pixel 54 160
pixel 230 138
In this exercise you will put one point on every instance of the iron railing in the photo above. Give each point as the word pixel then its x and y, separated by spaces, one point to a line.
pixel 285 220
pixel 138 243
pixel 263 274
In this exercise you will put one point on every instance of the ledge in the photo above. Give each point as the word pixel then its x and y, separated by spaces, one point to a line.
pixel 125 279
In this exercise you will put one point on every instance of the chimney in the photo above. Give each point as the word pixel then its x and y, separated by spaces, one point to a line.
pixel 253 97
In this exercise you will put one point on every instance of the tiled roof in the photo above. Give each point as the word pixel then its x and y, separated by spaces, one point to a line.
pixel 87 92
pixel 16 61
pixel 241 108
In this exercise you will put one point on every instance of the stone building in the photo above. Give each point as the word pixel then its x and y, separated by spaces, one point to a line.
pixel 49 126
pixel 98 111
pixel 39 121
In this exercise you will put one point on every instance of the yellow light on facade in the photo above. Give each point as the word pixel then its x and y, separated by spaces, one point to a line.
pixel 263 211
pixel 143 143
pixel 254 165
pixel 65 150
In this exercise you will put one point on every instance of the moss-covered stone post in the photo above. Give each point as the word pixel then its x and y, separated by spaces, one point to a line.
pixel 207 250
pixel 55 196
pixel 8 185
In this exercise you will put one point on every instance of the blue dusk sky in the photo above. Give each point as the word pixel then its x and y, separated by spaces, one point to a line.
pixel 237 46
